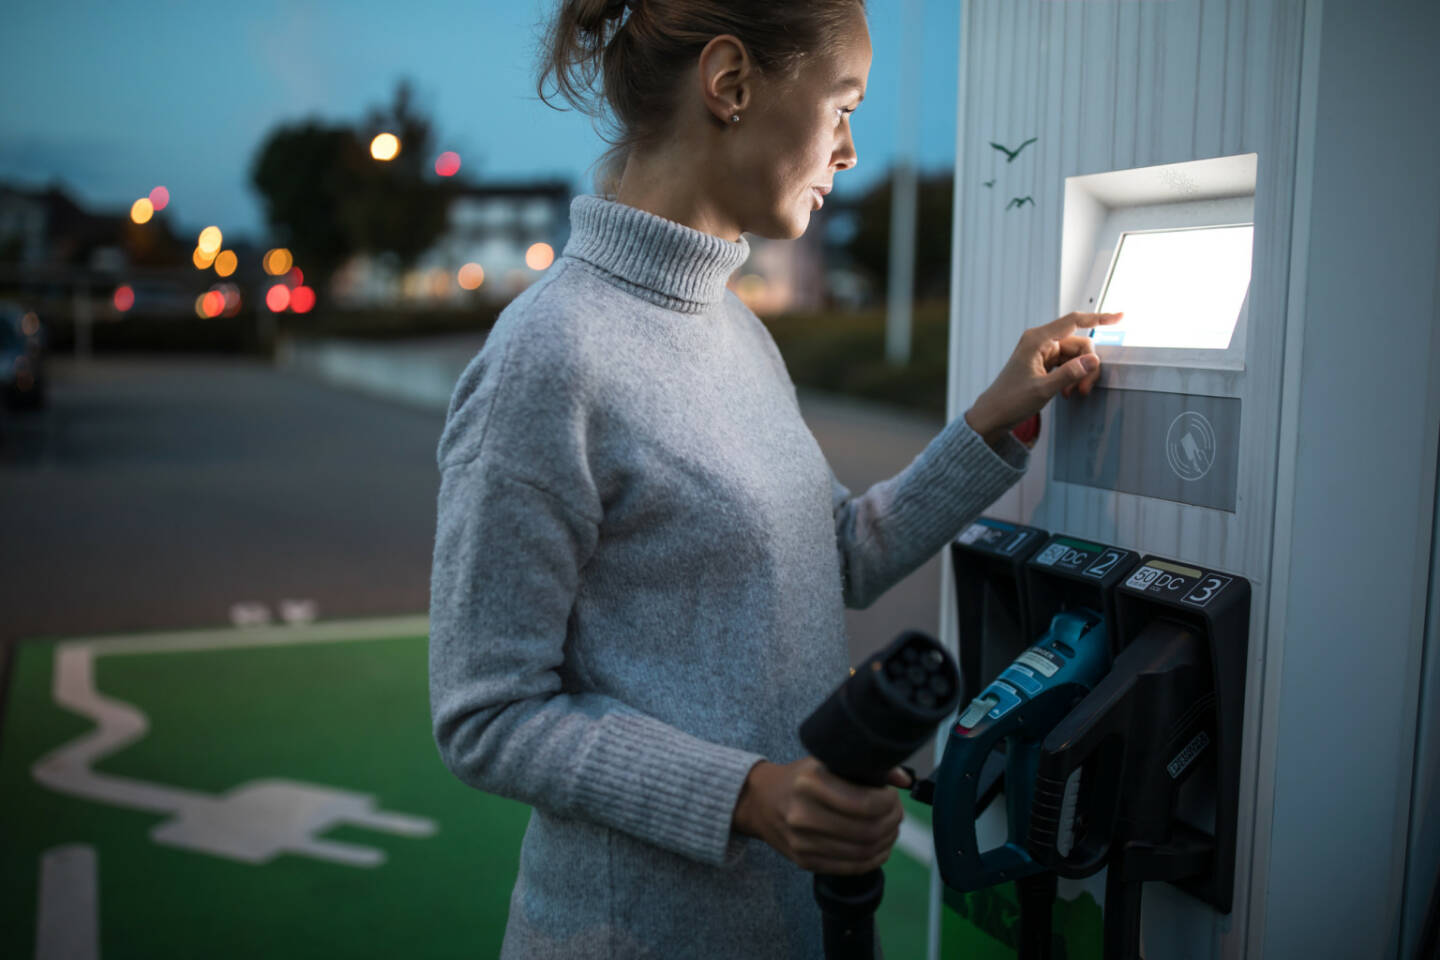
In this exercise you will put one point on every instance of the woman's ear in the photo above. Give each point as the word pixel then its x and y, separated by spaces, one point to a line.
pixel 726 76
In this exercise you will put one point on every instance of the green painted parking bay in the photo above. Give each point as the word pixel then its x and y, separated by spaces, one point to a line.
pixel 269 791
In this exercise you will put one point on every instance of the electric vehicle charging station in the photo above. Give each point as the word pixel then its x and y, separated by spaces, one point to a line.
pixel 1269 411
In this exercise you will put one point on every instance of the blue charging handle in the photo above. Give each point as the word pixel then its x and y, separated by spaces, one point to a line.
pixel 1024 703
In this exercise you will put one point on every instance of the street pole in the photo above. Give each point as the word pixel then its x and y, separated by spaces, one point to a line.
pixel 900 301
pixel 82 314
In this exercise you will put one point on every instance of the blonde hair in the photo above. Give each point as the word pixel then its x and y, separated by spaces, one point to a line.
pixel 638 48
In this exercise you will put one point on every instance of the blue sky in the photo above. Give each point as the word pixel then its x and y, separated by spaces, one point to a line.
pixel 113 98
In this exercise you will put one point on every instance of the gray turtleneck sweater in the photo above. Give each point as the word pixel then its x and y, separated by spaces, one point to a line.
pixel 641 566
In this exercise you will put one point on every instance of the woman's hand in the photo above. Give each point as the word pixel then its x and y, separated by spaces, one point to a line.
pixel 821 822
pixel 1047 361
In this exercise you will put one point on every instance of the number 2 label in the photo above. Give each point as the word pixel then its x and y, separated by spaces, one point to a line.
pixel 1100 567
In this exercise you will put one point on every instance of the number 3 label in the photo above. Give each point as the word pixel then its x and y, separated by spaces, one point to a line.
pixel 1205 591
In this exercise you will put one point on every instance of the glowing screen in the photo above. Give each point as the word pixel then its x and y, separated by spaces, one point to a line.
pixel 1178 288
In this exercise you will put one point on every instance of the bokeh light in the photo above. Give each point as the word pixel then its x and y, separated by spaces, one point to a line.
pixel 539 256
pixel 232 298
pixel 202 259
pixel 277 298
pixel 142 210
pixel 302 299
pixel 294 277
pixel 200 306
pixel 226 262
pixel 447 164
pixel 278 261
pixel 439 280
pixel 159 198
pixel 124 297
pixel 30 323
pixel 210 240
pixel 213 303
pixel 471 276
pixel 385 146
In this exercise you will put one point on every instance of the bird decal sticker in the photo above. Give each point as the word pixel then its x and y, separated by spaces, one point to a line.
pixel 989 183
pixel 1020 202
pixel 1010 155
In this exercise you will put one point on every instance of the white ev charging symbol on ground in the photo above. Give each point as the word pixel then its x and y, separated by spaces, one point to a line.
pixel 1190 446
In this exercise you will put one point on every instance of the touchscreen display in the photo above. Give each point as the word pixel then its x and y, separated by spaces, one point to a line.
pixel 1178 288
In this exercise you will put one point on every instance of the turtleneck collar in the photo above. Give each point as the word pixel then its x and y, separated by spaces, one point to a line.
pixel 659 260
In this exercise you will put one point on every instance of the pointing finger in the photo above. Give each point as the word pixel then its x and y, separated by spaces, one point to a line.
pixel 1068 324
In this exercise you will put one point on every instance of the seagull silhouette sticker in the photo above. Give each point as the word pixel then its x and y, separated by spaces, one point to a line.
pixel 989 183
pixel 1010 155
pixel 1020 202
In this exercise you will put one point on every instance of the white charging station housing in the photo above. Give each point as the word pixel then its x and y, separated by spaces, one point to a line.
pixel 1303 455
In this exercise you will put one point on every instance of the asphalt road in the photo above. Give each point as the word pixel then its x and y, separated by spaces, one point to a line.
pixel 158 493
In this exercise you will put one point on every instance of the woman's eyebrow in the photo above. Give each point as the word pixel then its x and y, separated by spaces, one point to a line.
pixel 852 83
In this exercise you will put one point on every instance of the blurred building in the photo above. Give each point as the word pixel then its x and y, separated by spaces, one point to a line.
pixel 499 239
pixel 47 228
pixel 56 256
pixel 810 273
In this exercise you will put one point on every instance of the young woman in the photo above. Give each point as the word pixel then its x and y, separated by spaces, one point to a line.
pixel 642 559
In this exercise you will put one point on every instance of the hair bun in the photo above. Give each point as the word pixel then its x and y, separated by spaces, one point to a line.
pixel 595 16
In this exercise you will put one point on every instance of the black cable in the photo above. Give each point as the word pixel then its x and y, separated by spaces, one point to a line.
pixel 1430 933
pixel 1122 916
pixel 1037 908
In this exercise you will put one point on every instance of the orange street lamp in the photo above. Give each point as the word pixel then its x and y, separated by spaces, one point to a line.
pixel 385 146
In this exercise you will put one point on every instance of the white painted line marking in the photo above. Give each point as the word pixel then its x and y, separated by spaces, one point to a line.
pixel 67 925
pixel 917 841
pixel 298 611
pixel 249 614
pixel 254 822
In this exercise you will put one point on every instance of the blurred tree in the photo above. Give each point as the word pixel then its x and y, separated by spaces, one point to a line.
pixel 399 208
pixel 305 173
pixel 870 246
pixel 333 200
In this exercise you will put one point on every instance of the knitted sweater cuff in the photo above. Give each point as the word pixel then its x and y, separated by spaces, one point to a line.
pixel 664 786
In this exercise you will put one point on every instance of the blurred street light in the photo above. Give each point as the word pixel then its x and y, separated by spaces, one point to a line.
pixel 159 198
pixel 385 146
pixel 142 210
pixel 278 261
pixel 213 303
pixel 302 299
pixel 277 298
pixel 210 241
pixel 202 259
pixel 225 263
pixel 124 297
pixel 231 293
pixel 448 164
pixel 539 256
pixel 471 276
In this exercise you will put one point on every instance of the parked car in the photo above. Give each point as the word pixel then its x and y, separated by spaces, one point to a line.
pixel 22 358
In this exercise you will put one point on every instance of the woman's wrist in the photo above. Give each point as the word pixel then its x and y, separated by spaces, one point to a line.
pixel 746 819
pixel 987 430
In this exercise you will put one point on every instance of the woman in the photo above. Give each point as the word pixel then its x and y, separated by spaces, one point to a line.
pixel 642 558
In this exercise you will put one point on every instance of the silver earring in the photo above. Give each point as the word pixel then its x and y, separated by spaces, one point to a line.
pixel 734 118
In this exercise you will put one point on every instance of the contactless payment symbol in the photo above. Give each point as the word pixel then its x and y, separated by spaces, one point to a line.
pixel 1190 446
